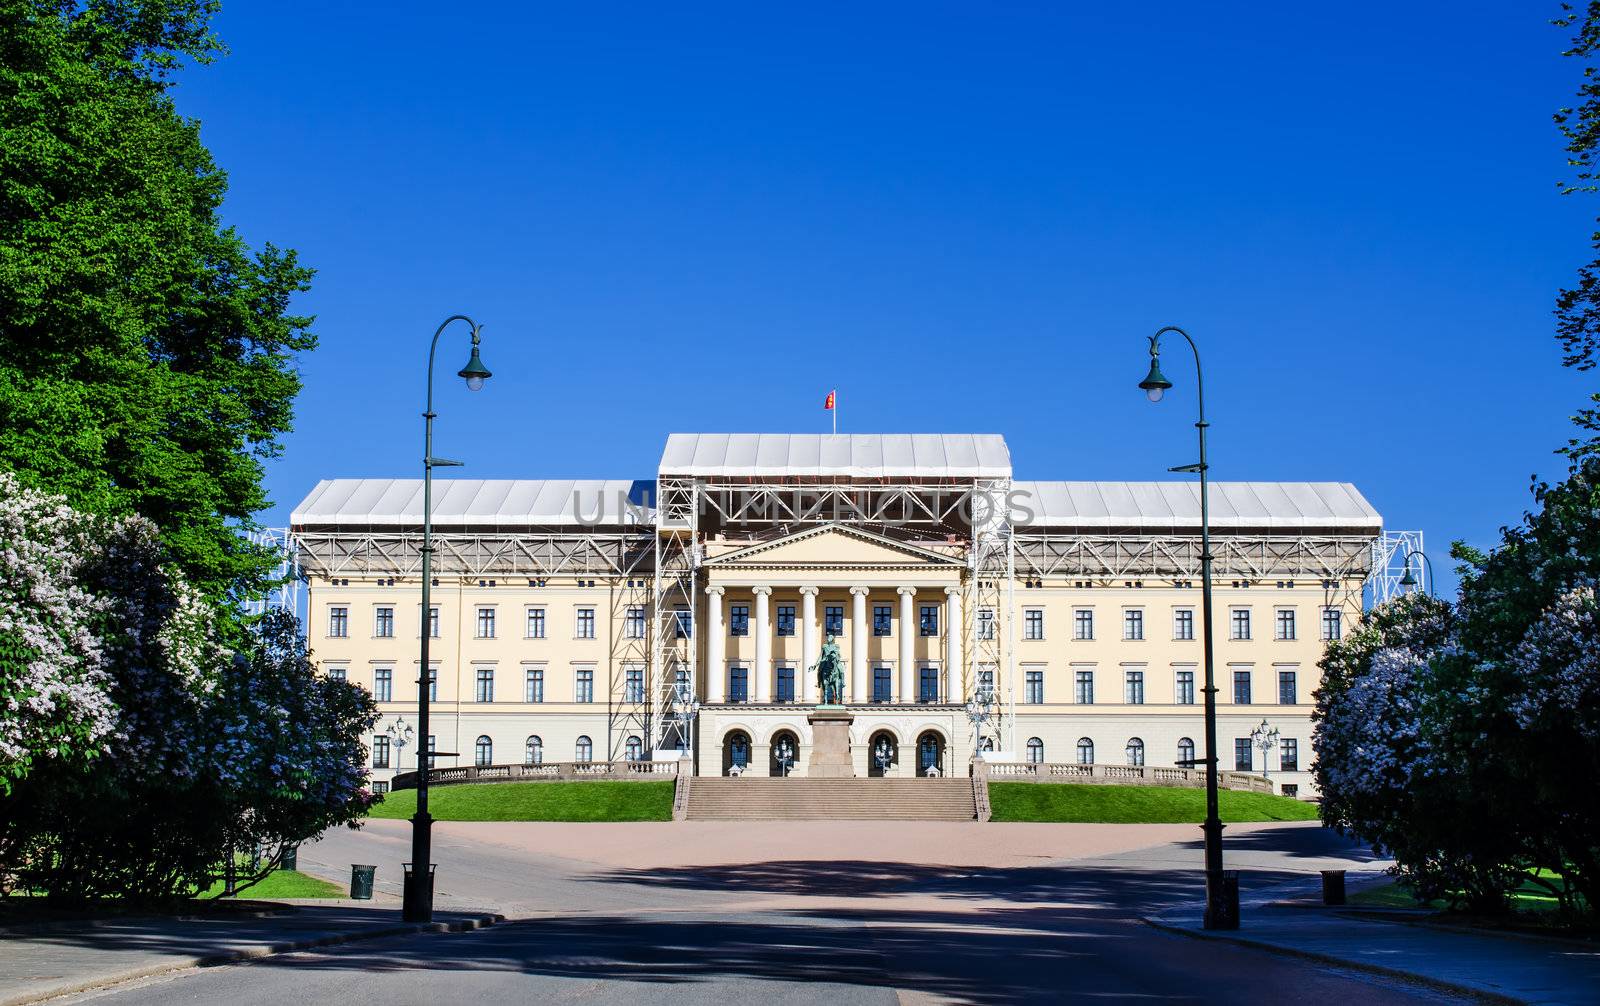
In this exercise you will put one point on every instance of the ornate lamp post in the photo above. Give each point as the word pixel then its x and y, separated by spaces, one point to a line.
pixel 1222 910
pixel 980 710
pixel 785 756
pixel 400 735
pixel 418 903
pixel 883 756
pixel 1265 738
pixel 1409 580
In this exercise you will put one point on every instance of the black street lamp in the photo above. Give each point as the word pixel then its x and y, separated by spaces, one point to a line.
pixel 1410 579
pixel 418 902
pixel 1222 907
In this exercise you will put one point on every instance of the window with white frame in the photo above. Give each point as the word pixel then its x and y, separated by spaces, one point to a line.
pixel 1288 754
pixel 585 623
pixel 433 621
pixel 1288 688
pixel 433 684
pixel 833 620
pixel 535 623
pixel 1035 751
pixel 1183 623
pixel 483 751
pixel 1033 623
pixel 1033 687
pixel 1133 623
pixel 485 685
pixel 584 691
pixel 985 625
pixel 533 685
pixel 485 623
pixel 1241 687
pixel 928 619
pixel 633 683
pixel 738 620
pixel 1083 687
pixel 383 621
pixel 584 749
pixel 882 620
pixel 1285 623
pixel 1085 751
pixel 1184 687
pixel 380 751
pixel 533 751
pixel 1133 687
pixel 1240 621
pixel 785 619
pixel 338 673
pixel 1185 753
pixel 1135 751
pixel 1332 624
pixel 383 685
pixel 338 621
pixel 1083 623
pixel 633 623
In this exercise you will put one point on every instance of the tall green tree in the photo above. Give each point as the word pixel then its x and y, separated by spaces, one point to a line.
pixel 1578 306
pixel 146 351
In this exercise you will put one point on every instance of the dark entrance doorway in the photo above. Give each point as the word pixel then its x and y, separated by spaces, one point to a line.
pixel 883 753
pixel 930 752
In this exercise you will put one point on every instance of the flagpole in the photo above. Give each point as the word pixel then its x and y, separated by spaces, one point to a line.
pixel 835 411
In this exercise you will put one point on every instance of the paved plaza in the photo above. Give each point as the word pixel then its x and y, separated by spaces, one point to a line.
pixel 854 912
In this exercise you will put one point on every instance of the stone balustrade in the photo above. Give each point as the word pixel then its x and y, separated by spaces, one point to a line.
pixel 1120 775
pixel 566 771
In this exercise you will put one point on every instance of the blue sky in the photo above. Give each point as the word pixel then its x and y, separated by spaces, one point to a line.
pixel 966 218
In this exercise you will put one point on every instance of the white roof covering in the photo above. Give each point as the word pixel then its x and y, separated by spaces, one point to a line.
pixel 481 502
pixel 1176 505
pixel 860 455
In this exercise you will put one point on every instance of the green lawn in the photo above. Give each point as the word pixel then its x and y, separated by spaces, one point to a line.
pixel 600 800
pixel 1063 802
pixel 1530 897
pixel 285 884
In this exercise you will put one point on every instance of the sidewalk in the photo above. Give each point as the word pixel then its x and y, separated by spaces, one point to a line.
pixel 50 959
pixel 1508 968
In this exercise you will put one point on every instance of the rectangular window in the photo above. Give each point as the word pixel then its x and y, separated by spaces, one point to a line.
pixel 633 621
pixel 433 684
pixel 485 691
pixel 1332 624
pixel 1285 623
pixel 928 620
pixel 585 690
pixel 433 621
pixel 1183 624
pixel 339 622
pixel 337 673
pixel 882 684
pixel 1288 694
pixel 785 619
pixel 382 786
pixel 533 687
pixel 383 622
pixel 739 620
pixel 1291 789
pixel 1133 624
pixel 1288 755
pixel 985 623
pixel 1033 623
pixel 1083 688
pixel 380 751
pixel 485 623
pixel 785 683
pixel 1133 688
pixel 383 685
pixel 1185 689
pixel 1241 688
pixel 738 684
pixel 433 745
pixel 986 682
pixel 1083 623
pixel 535 623
pixel 585 623
pixel 882 620
pixel 633 684
pixel 1242 755
pixel 833 619
pixel 1241 623
pixel 682 626
pixel 928 684
pixel 1033 687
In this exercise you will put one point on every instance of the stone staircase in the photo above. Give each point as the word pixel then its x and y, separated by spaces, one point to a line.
pixel 770 799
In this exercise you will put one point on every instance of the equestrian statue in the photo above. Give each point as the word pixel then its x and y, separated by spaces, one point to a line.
pixel 829 670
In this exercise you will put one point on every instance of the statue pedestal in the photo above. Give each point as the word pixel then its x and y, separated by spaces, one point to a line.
pixel 830 743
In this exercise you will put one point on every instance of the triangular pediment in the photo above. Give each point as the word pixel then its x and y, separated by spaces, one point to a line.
pixel 833 545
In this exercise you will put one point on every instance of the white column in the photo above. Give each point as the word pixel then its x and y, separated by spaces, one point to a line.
pixel 762 671
pixel 908 653
pixel 952 645
pixel 808 644
pixel 858 644
pixel 716 639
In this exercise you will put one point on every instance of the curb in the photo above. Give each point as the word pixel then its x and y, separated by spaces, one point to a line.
pixel 1340 962
pixel 255 953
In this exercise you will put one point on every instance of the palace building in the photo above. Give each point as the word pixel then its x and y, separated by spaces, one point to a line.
pixel 679 616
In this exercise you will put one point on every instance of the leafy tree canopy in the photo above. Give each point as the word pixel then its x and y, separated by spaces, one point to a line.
pixel 146 352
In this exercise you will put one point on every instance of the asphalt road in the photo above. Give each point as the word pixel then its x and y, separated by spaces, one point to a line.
pixel 835 929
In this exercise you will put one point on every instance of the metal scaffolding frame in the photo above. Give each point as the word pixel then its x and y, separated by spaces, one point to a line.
pixel 286 593
pixel 673 688
pixel 1252 557
pixel 991 586
pixel 1388 565
pixel 469 553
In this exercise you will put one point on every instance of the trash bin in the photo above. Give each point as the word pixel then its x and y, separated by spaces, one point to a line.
pixel 361 881
pixel 291 858
pixel 427 893
pixel 1226 912
pixel 1333 887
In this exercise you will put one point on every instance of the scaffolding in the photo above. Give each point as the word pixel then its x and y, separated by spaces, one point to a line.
pixel 285 593
pixel 989 606
pixel 1390 552
pixel 671 702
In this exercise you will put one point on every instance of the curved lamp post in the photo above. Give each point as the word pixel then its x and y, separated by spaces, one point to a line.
pixel 1410 580
pixel 1221 910
pixel 418 902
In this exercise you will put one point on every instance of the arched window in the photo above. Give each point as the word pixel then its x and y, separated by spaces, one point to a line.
pixel 1085 751
pixel 585 749
pixel 533 752
pixel 635 749
pixel 1035 750
pixel 1135 751
pixel 1185 752
pixel 483 752
pixel 735 751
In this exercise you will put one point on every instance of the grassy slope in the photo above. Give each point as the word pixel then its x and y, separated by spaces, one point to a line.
pixel 538 801
pixel 286 884
pixel 1060 802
